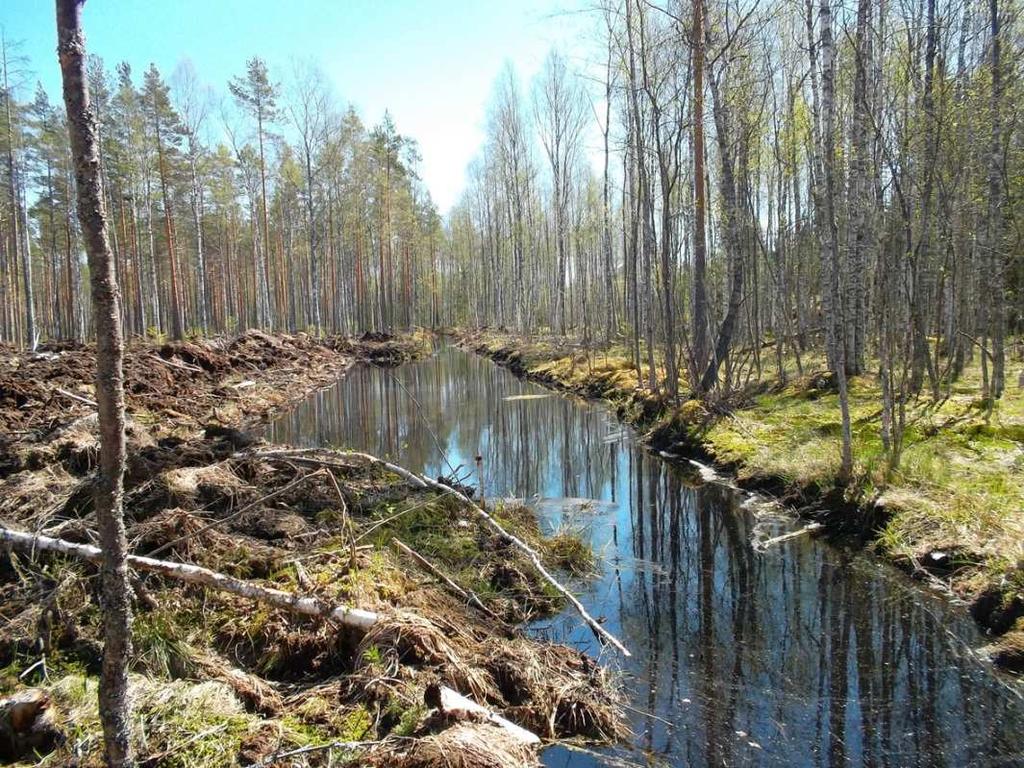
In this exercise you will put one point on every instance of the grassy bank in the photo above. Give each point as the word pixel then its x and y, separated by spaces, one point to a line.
pixel 953 512
pixel 221 680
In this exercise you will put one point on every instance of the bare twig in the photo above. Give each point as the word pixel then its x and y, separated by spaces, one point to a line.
pixel 178 365
pixel 436 572
pixel 349 526
pixel 275 758
pixel 809 528
pixel 73 396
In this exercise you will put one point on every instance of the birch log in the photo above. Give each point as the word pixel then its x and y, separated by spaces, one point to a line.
pixel 456 705
pixel 308 606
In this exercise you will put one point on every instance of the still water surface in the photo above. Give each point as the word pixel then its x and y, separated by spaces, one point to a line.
pixel 801 655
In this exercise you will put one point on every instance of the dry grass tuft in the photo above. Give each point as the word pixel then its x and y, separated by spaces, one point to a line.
pixel 209 485
pixel 466 745
pixel 409 640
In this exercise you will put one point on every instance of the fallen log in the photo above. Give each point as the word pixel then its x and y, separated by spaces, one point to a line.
pixel 194 574
pixel 455 705
pixel 425 482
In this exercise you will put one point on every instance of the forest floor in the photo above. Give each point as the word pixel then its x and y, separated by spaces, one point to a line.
pixel 953 513
pixel 220 680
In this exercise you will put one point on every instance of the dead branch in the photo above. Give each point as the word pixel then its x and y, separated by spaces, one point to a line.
pixel 809 528
pixel 174 364
pixel 459 707
pixel 530 552
pixel 433 570
pixel 277 757
pixel 194 574
pixel 349 525
pixel 73 396
pixel 425 482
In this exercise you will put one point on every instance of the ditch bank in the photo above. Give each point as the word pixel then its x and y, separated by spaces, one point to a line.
pixel 173 389
pixel 221 679
pixel 990 580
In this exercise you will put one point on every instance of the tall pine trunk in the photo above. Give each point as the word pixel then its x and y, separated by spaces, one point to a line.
pixel 197 224
pixel 22 238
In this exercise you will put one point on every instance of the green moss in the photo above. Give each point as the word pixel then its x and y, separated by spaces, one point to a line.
pixel 408 720
pixel 321 718
pixel 428 524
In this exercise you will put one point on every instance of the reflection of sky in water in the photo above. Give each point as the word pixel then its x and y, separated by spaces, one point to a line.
pixel 800 656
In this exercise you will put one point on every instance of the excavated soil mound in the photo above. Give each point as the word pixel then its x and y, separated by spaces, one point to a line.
pixel 235 681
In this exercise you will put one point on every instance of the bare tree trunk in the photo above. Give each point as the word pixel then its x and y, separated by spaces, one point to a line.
pixel 606 235
pixel 731 212
pixel 700 248
pixel 117 616
pixel 920 255
pixel 859 197
pixel 22 239
pixel 177 330
pixel 995 212
pixel 26 275
pixel 831 264
pixel 271 307
pixel 197 223
pixel 314 264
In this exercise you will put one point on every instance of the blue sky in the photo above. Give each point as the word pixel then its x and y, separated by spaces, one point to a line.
pixel 431 63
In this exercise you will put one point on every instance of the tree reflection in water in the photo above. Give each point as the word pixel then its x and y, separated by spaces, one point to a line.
pixel 803 655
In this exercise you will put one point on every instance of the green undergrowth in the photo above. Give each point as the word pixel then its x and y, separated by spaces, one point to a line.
pixel 959 487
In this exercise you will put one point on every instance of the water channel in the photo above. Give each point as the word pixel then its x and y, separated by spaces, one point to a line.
pixel 799 655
